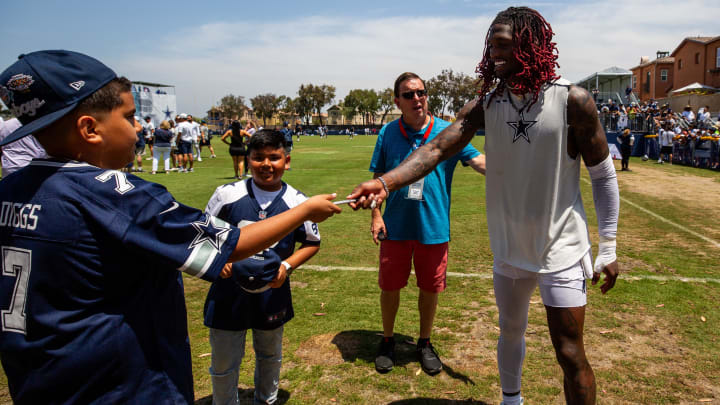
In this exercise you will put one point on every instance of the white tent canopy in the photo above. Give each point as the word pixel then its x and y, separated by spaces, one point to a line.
pixel 694 87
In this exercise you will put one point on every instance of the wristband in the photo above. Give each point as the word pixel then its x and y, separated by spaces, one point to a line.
pixel 387 192
pixel 288 267
pixel 606 254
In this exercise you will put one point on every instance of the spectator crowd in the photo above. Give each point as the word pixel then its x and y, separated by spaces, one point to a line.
pixel 690 137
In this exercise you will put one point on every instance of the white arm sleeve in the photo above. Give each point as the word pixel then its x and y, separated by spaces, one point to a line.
pixel 606 196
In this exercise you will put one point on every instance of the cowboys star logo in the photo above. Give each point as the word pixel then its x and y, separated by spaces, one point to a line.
pixel 210 232
pixel 521 127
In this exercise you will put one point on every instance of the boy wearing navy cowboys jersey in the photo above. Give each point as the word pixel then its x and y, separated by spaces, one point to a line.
pixel 257 296
pixel 82 319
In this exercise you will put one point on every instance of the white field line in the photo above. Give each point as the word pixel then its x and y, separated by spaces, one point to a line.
pixel 682 228
pixel 488 276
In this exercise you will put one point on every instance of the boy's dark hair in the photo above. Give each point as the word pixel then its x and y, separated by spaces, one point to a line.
pixel 267 137
pixel 106 99
pixel 402 78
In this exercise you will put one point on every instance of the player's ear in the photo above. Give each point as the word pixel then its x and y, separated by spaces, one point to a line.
pixel 87 128
pixel 397 102
pixel 287 162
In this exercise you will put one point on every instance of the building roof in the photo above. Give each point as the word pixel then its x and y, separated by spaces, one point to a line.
pixel 667 59
pixel 152 84
pixel 606 75
pixel 700 40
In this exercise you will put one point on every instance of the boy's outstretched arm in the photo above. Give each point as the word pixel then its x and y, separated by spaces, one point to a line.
pixel 261 235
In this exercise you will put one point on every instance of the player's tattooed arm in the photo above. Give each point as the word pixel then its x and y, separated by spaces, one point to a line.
pixel 586 135
pixel 449 142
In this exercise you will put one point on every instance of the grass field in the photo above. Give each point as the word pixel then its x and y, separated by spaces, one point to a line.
pixel 652 340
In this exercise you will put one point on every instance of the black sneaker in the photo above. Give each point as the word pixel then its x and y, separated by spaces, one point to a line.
pixel 385 359
pixel 428 358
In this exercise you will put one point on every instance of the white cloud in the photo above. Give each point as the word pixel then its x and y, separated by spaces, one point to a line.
pixel 248 58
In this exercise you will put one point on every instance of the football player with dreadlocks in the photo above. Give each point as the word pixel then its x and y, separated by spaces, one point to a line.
pixel 537 128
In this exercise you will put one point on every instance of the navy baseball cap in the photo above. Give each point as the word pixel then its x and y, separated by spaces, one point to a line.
pixel 41 87
pixel 253 275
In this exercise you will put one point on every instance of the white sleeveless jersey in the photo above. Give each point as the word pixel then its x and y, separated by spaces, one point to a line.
pixel 535 214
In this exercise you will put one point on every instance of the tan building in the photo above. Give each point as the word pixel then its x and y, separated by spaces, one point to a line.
pixel 653 79
pixel 697 59
pixel 335 117
pixel 217 121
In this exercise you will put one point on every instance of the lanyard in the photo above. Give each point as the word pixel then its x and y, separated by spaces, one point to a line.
pixel 425 136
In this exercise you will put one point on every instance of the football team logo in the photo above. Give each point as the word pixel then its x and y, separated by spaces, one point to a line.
pixel 20 82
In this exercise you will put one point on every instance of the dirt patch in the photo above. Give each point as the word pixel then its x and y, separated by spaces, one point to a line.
pixel 476 350
pixel 697 192
pixel 320 350
pixel 642 347
pixel 629 265
pixel 298 284
pixel 651 351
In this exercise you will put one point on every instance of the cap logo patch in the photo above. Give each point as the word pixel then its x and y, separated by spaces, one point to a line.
pixel 28 108
pixel 77 85
pixel 20 82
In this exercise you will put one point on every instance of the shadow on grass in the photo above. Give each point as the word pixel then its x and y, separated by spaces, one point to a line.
pixel 433 401
pixel 363 344
pixel 246 397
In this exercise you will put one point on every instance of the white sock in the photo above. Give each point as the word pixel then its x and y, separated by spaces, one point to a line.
pixel 512 400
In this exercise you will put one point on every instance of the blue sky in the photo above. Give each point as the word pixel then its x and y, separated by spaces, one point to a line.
pixel 213 48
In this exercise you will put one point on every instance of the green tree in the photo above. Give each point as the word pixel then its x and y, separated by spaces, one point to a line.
pixel 316 97
pixel 351 104
pixel 387 102
pixel 369 105
pixel 440 92
pixel 304 103
pixel 464 89
pixel 450 90
pixel 289 109
pixel 233 106
pixel 362 101
pixel 266 105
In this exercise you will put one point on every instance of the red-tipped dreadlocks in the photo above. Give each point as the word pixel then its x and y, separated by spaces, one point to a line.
pixel 533 47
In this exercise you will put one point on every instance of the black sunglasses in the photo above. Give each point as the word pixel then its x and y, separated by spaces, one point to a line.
pixel 410 94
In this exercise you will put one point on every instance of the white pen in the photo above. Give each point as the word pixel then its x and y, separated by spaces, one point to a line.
pixel 344 201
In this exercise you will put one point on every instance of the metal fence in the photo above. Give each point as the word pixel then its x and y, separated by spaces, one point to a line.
pixel 641 122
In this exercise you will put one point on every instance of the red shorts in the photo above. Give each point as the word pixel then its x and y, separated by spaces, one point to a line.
pixel 430 265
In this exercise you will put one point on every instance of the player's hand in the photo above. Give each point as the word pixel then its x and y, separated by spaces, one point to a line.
pixel 226 272
pixel 279 279
pixel 377 226
pixel 611 272
pixel 367 193
pixel 321 207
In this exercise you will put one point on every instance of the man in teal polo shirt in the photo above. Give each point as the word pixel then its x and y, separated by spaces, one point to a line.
pixel 416 225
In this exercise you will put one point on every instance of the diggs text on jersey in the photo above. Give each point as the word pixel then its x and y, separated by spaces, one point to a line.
pixel 19 215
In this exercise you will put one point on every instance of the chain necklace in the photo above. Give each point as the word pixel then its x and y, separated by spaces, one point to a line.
pixel 512 103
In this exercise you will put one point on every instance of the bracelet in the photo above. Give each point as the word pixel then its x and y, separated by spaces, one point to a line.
pixel 387 192
pixel 288 267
